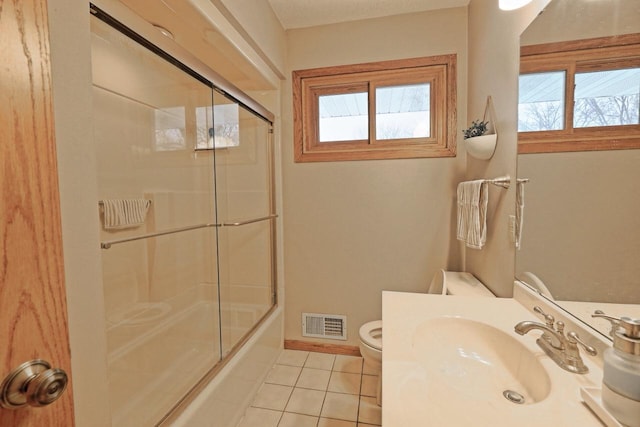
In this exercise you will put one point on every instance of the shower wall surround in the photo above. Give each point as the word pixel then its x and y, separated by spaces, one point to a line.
pixel 184 289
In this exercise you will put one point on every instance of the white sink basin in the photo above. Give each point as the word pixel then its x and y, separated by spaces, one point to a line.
pixel 447 361
pixel 479 362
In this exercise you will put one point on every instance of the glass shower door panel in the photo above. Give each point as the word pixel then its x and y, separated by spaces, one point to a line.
pixel 246 283
pixel 160 290
pixel 245 208
pixel 158 347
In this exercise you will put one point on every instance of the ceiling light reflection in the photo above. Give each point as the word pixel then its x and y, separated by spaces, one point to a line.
pixel 512 4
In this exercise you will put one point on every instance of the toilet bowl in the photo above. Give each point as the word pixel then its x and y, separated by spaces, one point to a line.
pixel 371 343
pixel 444 283
pixel 371 350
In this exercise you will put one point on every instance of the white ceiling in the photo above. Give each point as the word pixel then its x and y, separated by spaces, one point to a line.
pixel 308 13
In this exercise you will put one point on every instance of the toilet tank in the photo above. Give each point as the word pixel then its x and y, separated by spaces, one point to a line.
pixel 458 283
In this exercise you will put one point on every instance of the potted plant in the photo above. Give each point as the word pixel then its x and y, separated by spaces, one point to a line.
pixel 480 144
pixel 477 128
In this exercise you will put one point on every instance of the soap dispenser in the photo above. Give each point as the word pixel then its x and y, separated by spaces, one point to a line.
pixel 621 373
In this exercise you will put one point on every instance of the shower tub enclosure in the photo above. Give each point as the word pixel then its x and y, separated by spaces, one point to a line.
pixel 185 286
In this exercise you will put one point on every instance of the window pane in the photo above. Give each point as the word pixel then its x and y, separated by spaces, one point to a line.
pixel 403 112
pixel 344 117
pixel 218 127
pixel 541 101
pixel 607 98
pixel 170 129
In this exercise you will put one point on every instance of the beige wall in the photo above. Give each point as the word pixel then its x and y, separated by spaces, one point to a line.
pixel 494 52
pixel 582 223
pixel 353 229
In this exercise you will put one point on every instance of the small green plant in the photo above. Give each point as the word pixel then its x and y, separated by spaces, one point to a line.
pixel 477 128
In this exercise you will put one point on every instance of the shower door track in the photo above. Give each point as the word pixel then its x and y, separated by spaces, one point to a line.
pixel 107 244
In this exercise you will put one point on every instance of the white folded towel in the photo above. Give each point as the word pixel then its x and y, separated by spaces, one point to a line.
pixel 472 213
pixel 124 213
pixel 519 213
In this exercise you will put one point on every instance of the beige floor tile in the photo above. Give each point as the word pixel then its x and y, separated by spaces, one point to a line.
pixel 369 411
pixel 344 397
pixel 257 417
pixel 351 364
pixel 296 420
pixel 328 422
pixel 292 357
pixel 272 396
pixel 283 375
pixel 316 379
pixel 344 382
pixel 369 386
pixel 320 361
pixel 368 369
pixel 306 402
pixel 340 406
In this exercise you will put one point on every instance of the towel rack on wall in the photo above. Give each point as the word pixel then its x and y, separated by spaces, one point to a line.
pixel 109 243
pixel 502 181
pixel 505 181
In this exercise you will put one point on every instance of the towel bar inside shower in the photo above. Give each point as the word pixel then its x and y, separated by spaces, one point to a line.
pixel 109 243
pixel 101 202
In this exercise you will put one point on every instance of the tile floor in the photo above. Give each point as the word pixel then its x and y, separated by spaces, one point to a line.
pixel 307 389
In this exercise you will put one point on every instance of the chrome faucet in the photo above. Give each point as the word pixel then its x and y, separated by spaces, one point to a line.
pixel 562 349
pixel 527 326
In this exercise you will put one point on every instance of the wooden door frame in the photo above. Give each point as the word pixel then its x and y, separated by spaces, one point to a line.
pixel 32 292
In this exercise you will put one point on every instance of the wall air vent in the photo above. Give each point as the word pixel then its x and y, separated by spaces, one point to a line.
pixel 330 326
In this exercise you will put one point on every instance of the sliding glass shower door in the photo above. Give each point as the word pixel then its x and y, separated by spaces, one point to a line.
pixel 187 224
pixel 245 210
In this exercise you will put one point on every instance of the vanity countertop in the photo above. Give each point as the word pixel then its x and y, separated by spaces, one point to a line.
pixel 412 398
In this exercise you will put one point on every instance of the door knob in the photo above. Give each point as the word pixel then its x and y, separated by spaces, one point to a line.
pixel 33 383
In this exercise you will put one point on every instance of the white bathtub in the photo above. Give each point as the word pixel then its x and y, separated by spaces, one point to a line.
pixel 224 400
pixel 158 355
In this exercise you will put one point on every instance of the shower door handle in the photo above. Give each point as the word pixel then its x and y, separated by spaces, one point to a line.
pixel 33 383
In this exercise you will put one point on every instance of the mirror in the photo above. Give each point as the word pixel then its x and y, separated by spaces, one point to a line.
pixel 581 231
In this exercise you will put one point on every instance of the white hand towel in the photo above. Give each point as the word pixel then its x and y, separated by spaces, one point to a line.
pixel 472 213
pixel 519 213
pixel 124 213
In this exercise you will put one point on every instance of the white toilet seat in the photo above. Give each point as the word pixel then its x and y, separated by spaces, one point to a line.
pixel 371 334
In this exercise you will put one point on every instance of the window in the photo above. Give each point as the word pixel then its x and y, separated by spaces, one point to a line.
pixel 380 110
pixel 218 126
pixel 580 95
pixel 169 129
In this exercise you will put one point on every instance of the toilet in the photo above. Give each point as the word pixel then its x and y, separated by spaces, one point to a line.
pixel 443 283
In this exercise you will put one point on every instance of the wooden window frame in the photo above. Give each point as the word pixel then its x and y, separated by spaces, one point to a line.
pixel 439 71
pixel 597 54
